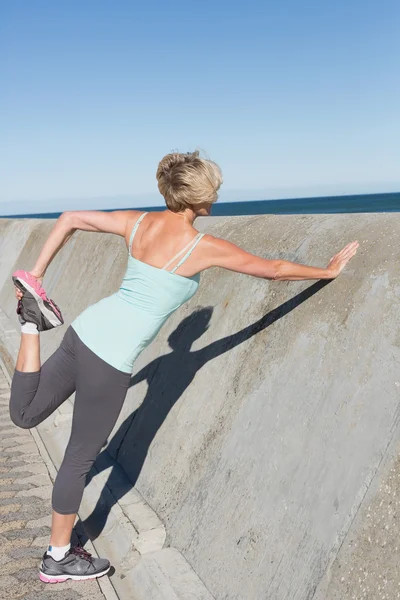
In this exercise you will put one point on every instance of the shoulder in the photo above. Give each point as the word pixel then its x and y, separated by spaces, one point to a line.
pixel 217 252
pixel 124 216
pixel 212 248
pixel 214 244
pixel 131 217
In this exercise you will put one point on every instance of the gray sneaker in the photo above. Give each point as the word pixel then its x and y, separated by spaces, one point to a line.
pixel 37 307
pixel 28 311
pixel 77 564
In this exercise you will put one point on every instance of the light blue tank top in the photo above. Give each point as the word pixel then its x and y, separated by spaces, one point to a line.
pixel 120 326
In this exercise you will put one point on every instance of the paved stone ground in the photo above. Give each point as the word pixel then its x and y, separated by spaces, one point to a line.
pixel 25 490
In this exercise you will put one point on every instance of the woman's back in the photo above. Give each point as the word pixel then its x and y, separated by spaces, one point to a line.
pixel 160 237
pixel 150 292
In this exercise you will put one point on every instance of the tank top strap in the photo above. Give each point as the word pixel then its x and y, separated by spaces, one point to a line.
pixel 134 230
pixel 177 255
pixel 193 245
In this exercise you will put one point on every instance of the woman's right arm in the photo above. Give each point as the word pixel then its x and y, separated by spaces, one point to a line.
pixel 86 220
pixel 229 256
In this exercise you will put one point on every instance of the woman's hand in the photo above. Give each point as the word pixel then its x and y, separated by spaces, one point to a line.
pixel 340 260
pixel 18 293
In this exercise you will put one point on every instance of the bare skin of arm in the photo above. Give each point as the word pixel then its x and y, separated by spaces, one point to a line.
pixel 214 252
pixel 86 220
pixel 221 253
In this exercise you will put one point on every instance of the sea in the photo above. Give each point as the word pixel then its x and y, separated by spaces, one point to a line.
pixel 360 203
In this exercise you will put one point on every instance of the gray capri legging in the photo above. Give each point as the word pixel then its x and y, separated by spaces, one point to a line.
pixel 100 393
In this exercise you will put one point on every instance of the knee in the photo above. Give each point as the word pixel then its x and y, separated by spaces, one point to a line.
pixel 17 417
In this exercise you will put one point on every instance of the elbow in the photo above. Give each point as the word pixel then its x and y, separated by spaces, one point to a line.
pixel 68 220
pixel 277 273
pixel 18 418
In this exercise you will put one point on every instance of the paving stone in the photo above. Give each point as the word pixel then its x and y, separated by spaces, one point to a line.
pixel 26 575
pixel 25 551
pixel 41 541
pixel 39 492
pixel 9 508
pixel 11 525
pixel 20 437
pixel 42 522
pixel 19 590
pixel 7 501
pixel 6 480
pixel 12 567
pixel 32 533
pixel 17 546
pixel 23 450
pixel 35 468
pixel 7 582
pixel 17 487
pixel 18 474
pixel 38 480
pixel 7 495
pixel 17 462
pixel 26 503
pixel 15 432
pixel 64 594
pixel 35 510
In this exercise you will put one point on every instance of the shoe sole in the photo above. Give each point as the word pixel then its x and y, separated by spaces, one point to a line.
pixel 61 578
pixel 46 312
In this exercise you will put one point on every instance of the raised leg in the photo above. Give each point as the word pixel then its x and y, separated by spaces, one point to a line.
pixel 37 391
pixel 28 360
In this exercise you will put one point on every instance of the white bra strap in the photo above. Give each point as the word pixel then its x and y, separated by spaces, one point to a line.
pixel 177 255
pixel 134 230
pixel 197 239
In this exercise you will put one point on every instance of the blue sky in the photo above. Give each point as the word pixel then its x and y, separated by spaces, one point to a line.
pixel 289 97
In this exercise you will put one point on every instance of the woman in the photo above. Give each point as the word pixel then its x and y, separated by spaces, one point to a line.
pixel 95 358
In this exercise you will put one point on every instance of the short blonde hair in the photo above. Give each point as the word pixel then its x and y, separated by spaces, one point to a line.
pixel 186 180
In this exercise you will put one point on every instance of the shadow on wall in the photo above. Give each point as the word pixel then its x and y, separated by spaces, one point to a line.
pixel 168 377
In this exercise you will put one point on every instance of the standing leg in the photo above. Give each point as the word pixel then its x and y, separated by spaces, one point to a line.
pixel 100 393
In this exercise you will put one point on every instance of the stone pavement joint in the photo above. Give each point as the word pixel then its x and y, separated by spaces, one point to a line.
pixel 25 517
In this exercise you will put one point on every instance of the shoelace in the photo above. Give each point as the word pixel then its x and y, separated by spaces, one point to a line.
pixel 82 553
pixel 34 282
pixel 56 309
pixel 38 288
pixel 41 293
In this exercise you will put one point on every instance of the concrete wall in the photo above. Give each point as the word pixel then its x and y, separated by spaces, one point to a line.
pixel 260 415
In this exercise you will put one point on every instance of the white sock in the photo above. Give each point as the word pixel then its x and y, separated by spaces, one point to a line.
pixel 30 328
pixel 58 552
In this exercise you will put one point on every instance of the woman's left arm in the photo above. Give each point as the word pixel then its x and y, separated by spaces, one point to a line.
pixel 85 220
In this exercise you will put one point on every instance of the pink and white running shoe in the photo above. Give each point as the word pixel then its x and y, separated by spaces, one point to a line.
pixel 35 306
